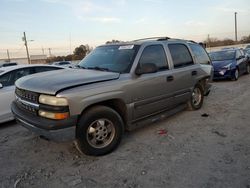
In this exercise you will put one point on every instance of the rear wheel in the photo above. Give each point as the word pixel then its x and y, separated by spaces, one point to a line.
pixel 196 100
pixel 99 131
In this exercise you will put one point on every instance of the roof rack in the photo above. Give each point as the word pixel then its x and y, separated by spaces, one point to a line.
pixel 152 38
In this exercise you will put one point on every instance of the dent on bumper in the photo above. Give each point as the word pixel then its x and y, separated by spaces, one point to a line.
pixel 52 130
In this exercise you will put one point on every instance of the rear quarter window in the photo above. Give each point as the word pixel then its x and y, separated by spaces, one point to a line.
pixel 200 54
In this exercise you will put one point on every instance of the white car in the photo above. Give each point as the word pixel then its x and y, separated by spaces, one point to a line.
pixel 8 76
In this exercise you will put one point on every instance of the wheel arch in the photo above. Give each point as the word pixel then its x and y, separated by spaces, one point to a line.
pixel 116 104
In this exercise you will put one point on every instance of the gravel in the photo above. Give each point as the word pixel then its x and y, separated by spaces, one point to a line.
pixel 186 150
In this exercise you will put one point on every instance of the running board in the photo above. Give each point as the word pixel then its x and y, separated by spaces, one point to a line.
pixel 155 118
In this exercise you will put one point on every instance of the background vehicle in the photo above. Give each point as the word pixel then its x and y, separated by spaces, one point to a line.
pixel 64 64
pixel 8 64
pixel 118 86
pixel 8 76
pixel 248 46
pixel 229 63
pixel 247 52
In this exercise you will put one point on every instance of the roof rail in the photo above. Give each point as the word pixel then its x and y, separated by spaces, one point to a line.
pixel 152 38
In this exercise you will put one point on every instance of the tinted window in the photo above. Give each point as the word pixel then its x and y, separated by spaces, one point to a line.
pixel 154 54
pixel 200 54
pixel 44 69
pixel 180 55
pixel 64 63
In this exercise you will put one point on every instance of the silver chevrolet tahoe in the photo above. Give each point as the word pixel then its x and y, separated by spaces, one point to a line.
pixel 117 87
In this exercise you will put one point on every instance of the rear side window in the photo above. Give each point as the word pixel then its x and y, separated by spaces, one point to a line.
pixel 180 55
pixel 200 54
pixel 154 54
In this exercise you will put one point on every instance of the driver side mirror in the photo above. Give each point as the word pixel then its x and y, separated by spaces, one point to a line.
pixel 1 86
pixel 146 68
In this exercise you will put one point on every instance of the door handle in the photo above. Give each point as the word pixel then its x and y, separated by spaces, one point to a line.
pixel 170 78
pixel 194 73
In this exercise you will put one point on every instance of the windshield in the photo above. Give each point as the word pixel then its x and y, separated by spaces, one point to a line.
pixel 222 55
pixel 115 58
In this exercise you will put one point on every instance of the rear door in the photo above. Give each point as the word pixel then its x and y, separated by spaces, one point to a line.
pixel 185 71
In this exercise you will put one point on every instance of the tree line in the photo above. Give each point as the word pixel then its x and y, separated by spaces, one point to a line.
pixel 78 54
pixel 214 42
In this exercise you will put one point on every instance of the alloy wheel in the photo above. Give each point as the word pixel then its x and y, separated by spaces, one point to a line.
pixel 100 133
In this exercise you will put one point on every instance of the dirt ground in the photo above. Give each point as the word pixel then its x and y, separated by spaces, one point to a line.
pixel 183 151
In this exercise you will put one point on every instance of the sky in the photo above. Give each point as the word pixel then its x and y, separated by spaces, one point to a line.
pixel 63 25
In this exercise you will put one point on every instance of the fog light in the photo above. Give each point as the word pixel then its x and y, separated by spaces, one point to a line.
pixel 53 115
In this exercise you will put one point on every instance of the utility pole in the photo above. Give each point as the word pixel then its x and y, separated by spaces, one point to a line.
pixel 43 50
pixel 70 43
pixel 235 25
pixel 208 40
pixel 49 52
pixel 8 54
pixel 26 45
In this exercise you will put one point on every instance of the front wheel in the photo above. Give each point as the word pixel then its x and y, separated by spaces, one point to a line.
pixel 236 75
pixel 99 131
pixel 196 100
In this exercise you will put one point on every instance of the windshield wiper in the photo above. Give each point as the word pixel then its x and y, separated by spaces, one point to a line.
pixel 98 68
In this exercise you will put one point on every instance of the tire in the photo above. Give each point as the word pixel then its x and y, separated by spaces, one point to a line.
pixel 248 69
pixel 196 100
pixel 99 131
pixel 236 75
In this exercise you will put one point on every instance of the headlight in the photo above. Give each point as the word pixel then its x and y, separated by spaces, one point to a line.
pixel 54 101
pixel 227 67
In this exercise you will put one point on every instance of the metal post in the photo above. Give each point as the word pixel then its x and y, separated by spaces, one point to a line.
pixel 235 25
pixel 8 54
pixel 50 52
pixel 26 45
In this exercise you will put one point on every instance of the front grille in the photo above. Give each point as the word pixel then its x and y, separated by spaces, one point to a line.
pixel 31 99
pixel 27 95
pixel 27 108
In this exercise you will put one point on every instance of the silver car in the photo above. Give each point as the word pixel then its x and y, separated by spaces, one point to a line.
pixel 8 76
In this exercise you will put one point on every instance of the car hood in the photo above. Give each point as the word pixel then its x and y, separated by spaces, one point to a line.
pixel 52 82
pixel 220 64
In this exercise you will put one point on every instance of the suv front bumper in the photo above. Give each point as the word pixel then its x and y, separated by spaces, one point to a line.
pixel 56 130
